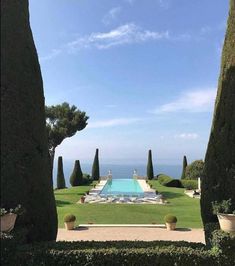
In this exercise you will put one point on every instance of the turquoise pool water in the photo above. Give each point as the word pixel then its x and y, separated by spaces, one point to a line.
pixel 122 187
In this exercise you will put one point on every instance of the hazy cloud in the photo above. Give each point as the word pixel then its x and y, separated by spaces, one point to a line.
pixel 201 100
pixel 189 136
pixel 125 34
pixel 113 122
pixel 111 15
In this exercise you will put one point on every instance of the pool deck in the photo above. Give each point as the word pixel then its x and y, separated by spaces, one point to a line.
pixel 149 197
pixel 128 232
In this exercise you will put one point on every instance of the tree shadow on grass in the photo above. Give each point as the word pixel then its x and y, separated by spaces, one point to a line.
pixel 183 229
pixel 74 193
pixel 61 203
pixel 171 195
pixel 81 228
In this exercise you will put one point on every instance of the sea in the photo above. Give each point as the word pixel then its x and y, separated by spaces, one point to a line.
pixel 119 171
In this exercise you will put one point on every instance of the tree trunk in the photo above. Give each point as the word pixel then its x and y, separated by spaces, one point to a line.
pixel 25 165
pixel 218 182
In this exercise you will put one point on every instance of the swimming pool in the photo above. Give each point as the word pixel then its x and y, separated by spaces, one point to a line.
pixel 122 187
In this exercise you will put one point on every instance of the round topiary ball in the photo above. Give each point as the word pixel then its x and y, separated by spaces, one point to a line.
pixel 69 218
pixel 170 218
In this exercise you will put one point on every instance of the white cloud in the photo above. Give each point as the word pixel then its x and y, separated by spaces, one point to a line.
pixel 111 15
pixel 201 100
pixel 113 122
pixel 125 34
pixel 54 53
pixel 189 136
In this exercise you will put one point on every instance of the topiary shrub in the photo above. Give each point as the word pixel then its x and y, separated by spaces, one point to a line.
pixel 150 173
pixel 69 218
pixel 167 181
pixel 95 167
pixel 25 165
pixel 218 181
pixel 76 177
pixel 170 218
pixel 60 174
pixel 164 179
pixel 185 163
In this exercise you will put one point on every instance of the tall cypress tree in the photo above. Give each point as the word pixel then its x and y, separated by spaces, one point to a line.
pixel 150 173
pixel 95 167
pixel 218 182
pixel 60 174
pixel 25 164
pixel 185 163
pixel 76 177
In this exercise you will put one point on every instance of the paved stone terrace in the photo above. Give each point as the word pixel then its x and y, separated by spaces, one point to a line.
pixel 145 233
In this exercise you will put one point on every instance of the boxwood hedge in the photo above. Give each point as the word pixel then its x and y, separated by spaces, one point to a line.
pixel 113 253
pixel 168 181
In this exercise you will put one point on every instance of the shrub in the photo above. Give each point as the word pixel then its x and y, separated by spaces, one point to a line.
pixel 96 167
pixel 185 163
pixel 209 228
pixel 19 210
pixel 194 170
pixel 189 184
pixel 87 179
pixel 77 176
pixel 150 173
pixel 69 218
pixel 224 206
pixel 164 179
pixel 60 174
pixel 224 241
pixel 138 253
pixel 170 219
pixel 167 181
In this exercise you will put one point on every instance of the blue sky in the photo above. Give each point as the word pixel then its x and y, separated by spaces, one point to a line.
pixel 145 71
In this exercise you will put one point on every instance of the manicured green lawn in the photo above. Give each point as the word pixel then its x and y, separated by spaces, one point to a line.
pixel 186 209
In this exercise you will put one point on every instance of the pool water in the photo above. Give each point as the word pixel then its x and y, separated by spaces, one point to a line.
pixel 122 187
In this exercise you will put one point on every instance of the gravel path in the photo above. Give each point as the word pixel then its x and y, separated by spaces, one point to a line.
pixel 130 233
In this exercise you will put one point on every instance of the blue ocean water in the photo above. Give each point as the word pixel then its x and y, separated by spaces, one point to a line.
pixel 119 171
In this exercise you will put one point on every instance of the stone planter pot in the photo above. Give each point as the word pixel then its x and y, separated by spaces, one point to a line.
pixel 8 222
pixel 227 222
pixel 69 225
pixel 170 226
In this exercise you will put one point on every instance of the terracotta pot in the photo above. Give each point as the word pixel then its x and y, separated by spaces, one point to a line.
pixel 69 225
pixel 8 222
pixel 170 226
pixel 227 222
pixel 82 199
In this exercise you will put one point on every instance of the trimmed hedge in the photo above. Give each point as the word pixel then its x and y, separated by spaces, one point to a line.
pixel 167 181
pixel 189 184
pixel 224 242
pixel 114 253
